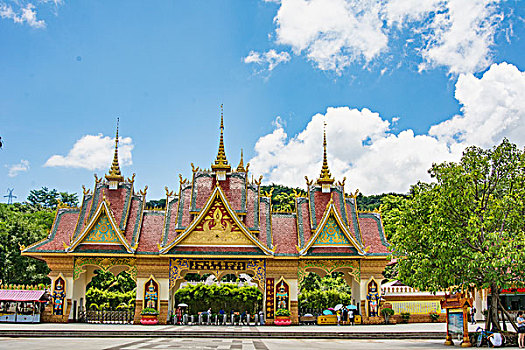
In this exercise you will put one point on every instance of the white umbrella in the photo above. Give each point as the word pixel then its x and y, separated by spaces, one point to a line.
pixel 338 307
pixel 182 305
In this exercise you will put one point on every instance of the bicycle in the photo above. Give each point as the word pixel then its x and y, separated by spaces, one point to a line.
pixel 482 337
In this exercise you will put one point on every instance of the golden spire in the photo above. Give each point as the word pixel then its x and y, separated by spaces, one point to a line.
pixel 221 163
pixel 325 177
pixel 114 171
pixel 240 167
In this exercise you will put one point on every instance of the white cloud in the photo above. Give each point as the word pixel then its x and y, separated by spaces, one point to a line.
pixel 333 34
pixel 271 58
pixel 461 34
pixel 93 152
pixel 25 14
pixel 16 169
pixel 493 108
pixel 362 147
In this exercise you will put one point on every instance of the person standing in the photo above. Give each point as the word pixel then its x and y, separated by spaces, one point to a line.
pixel 261 318
pixel 345 315
pixel 473 315
pixel 351 316
pixel 521 330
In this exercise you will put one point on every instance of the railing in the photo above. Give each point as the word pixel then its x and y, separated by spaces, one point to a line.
pixel 122 316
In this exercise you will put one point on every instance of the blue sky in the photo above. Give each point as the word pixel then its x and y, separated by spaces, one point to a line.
pixel 400 84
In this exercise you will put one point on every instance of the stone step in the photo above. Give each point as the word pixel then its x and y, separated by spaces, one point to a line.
pixel 217 334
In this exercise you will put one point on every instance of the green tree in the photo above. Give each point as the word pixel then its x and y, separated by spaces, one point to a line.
pixel 283 198
pixel 47 198
pixel 318 293
pixel 391 210
pixel 109 291
pixel 467 228
pixel 22 224
pixel 159 203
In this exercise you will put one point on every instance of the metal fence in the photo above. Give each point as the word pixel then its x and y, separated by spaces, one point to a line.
pixel 122 316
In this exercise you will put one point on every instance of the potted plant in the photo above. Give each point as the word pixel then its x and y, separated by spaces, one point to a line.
pixel 149 316
pixel 387 313
pixel 282 317
pixel 434 316
pixel 405 316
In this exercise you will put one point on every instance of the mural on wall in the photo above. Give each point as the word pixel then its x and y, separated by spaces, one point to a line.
pixel 151 294
pixel 373 299
pixel 269 298
pixel 282 295
pixel 59 295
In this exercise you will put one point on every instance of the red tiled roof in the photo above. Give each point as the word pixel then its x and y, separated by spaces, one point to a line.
pixel 21 295
pixel 284 234
pixel 151 232
pixel 371 234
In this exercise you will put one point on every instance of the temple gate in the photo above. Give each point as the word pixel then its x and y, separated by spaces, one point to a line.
pixel 218 222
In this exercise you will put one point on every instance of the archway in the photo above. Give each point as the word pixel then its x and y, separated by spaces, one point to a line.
pixel 326 283
pixel 104 290
pixel 219 286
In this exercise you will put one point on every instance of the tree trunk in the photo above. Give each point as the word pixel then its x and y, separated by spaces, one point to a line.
pixel 509 317
pixel 494 305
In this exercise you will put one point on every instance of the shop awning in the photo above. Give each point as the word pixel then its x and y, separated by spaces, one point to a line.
pixel 22 295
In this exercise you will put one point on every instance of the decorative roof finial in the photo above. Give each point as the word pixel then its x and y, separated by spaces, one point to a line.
pixel 114 171
pixel 221 163
pixel 325 177
pixel 240 167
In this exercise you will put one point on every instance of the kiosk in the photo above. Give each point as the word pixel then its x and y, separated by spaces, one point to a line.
pixel 457 317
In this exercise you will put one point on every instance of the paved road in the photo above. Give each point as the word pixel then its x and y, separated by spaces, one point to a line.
pixel 213 344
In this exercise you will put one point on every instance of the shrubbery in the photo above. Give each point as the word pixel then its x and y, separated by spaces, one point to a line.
pixel 228 297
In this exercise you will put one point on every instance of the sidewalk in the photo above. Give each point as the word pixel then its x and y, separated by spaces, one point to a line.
pixel 410 327
pixel 85 330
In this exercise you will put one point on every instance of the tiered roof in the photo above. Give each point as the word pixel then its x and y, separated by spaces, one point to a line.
pixel 217 216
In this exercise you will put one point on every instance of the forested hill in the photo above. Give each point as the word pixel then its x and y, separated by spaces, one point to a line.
pixel 283 198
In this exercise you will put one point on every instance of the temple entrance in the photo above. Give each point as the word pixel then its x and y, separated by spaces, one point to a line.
pixel 218 291
pixel 325 284
pixel 104 290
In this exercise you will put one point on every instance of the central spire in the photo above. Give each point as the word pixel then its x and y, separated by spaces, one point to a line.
pixel 325 178
pixel 114 171
pixel 240 167
pixel 221 163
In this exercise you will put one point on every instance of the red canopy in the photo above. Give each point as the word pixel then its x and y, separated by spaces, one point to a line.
pixel 21 295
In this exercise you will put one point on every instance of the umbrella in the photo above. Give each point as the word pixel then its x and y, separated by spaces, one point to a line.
pixel 308 315
pixel 182 305
pixel 331 309
pixel 327 312
pixel 351 307
pixel 338 307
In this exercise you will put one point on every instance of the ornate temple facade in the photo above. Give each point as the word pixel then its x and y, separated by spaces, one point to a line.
pixel 218 222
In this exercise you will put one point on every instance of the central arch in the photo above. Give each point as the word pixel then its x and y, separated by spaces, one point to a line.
pixel 180 267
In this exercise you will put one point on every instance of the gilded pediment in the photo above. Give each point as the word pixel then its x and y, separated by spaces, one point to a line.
pixel 217 228
pixel 331 234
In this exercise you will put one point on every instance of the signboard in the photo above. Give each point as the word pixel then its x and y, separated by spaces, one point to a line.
pixel 416 307
pixel 216 265
pixel 180 266
pixel 455 322
pixel 270 301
